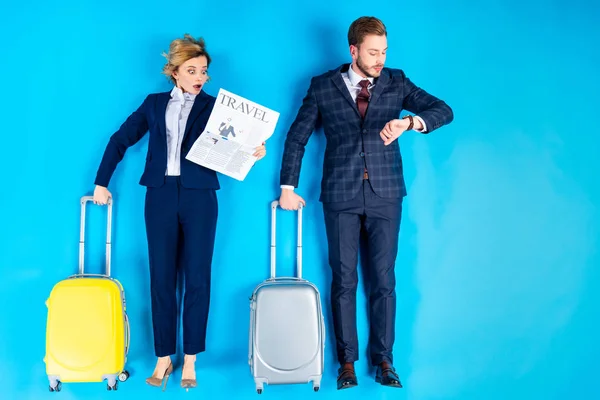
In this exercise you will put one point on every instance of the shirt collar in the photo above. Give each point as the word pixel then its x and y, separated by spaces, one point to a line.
pixel 355 78
pixel 178 94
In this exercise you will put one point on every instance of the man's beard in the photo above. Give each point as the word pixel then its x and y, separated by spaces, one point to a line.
pixel 364 69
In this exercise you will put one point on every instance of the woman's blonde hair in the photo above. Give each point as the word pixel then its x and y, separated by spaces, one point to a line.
pixel 181 50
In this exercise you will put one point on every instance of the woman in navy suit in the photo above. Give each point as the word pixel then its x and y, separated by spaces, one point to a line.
pixel 181 202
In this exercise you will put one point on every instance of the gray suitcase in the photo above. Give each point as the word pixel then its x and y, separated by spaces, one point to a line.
pixel 287 332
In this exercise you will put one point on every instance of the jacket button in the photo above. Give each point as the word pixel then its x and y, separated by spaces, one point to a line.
pixel 361 154
pixel 364 131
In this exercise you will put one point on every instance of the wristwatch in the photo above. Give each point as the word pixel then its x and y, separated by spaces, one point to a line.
pixel 412 122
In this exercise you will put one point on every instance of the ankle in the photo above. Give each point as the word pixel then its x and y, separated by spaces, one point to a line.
pixel 189 369
pixel 164 360
pixel 189 359
pixel 348 366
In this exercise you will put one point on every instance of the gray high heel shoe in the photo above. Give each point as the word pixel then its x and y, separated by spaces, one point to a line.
pixel 157 382
pixel 188 384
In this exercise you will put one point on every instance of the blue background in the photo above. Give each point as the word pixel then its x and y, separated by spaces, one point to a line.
pixel 498 283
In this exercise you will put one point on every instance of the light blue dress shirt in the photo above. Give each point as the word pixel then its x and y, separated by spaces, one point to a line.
pixel 178 111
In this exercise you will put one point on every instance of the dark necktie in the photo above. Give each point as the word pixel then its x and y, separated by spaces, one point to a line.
pixel 362 102
pixel 362 99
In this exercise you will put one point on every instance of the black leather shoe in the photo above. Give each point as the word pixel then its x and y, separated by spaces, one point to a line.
pixel 387 376
pixel 346 378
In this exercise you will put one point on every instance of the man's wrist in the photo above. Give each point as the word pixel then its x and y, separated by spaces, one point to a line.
pixel 418 124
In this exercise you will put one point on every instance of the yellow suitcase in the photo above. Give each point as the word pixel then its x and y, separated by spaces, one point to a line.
pixel 87 330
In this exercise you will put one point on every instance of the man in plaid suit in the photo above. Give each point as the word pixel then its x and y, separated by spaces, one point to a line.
pixel 363 185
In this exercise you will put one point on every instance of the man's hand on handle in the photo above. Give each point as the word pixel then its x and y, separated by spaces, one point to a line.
pixel 101 195
pixel 290 200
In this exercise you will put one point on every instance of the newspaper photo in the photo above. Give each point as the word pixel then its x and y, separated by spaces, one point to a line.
pixel 235 128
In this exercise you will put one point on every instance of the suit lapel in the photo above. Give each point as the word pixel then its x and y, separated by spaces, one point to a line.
pixel 161 112
pixel 380 84
pixel 200 103
pixel 341 85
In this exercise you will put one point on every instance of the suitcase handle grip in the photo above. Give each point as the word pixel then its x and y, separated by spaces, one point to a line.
pixel 285 279
pixel 128 337
pixel 84 201
pixel 274 206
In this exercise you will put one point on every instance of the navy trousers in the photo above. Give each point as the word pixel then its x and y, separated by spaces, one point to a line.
pixel 380 219
pixel 180 226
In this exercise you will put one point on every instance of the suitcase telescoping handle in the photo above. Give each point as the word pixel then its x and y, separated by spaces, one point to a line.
pixel 274 206
pixel 84 201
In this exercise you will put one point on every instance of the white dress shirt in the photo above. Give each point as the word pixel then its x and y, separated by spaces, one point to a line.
pixel 351 79
pixel 178 111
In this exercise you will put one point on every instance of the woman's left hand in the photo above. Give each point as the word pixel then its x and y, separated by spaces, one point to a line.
pixel 260 152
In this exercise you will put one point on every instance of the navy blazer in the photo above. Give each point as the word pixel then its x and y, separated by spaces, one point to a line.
pixel 150 117
pixel 353 143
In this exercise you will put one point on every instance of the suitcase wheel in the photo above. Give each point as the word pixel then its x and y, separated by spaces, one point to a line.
pixel 57 387
pixel 113 387
pixel 316 388
pixel 259 391
pixel 123 376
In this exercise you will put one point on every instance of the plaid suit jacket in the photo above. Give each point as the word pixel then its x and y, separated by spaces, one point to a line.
pixel 354 143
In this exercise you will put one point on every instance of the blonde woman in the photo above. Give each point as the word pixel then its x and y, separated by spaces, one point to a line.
pixel 180 206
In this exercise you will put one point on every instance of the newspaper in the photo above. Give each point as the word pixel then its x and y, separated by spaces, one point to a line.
pixel 235 128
